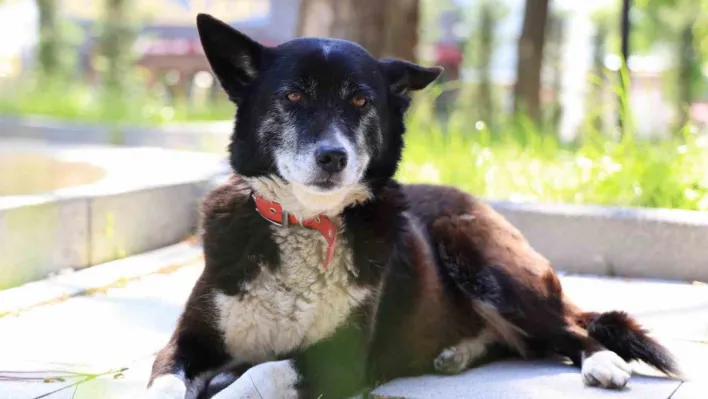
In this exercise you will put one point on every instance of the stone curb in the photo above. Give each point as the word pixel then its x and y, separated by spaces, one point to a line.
pixel 95 279
pixel 627 242
pixel 654 243
pixel 148 198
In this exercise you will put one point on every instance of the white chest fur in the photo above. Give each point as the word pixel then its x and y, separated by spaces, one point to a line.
pixel 294 307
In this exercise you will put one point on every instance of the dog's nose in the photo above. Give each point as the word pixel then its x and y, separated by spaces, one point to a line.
pixel 331 159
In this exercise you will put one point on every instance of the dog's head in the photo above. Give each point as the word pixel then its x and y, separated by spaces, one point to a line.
pixel 319 121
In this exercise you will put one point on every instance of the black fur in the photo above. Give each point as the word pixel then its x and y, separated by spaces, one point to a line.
pixel 620 333
pixel 440 266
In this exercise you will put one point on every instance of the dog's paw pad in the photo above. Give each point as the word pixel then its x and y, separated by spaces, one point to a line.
pixel 606 369
pixel 450 361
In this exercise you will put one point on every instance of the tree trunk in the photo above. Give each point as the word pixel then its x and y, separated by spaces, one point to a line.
pixel 595 107
pixel 554 64
pixel 625 29
pixel 48 56
pixel 115 43
pixel 386 28
pixel 625 117
pixel 688 64
pixel 527 90
pixel 487 26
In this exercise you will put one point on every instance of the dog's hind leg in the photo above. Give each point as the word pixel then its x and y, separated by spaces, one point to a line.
pixel 517 297
pixel 470 352
pixel 515 292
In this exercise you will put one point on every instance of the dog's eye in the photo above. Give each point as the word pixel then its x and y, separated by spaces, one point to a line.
pixel 359 101
pixel 294 97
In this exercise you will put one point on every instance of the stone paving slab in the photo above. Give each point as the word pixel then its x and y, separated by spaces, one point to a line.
pixel 692 390
pixel 22 379
pixel 676 310
pixel 521 380
pixel 66 285
pixel 130 383
pixel 124 324
pixel 692 358
pixel 102 331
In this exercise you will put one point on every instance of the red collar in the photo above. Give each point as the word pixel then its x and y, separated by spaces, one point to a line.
pixel 273 212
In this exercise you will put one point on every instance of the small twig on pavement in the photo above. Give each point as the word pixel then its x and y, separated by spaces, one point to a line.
pixel 87 378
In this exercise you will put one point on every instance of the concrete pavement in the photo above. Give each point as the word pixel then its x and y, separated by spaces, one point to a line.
pixel 98 342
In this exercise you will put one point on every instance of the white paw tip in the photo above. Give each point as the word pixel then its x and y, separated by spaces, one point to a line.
pixel 606 369
pixel 449 361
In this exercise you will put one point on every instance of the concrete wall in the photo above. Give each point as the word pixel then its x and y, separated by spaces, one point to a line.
pixel 659 243
pixel 42 238
pixel 147 198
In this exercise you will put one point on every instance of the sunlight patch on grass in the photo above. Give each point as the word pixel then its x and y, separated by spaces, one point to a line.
pixel 523 164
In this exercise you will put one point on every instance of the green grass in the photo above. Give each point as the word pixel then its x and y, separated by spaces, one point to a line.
pixel 521 163
pixel 514 161
pixel 78 102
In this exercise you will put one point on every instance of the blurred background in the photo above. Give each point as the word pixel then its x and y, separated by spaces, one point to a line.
pixel 112 128
pixel 602 102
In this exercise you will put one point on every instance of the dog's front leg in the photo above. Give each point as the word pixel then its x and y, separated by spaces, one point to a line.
pixel 270 380
pixel 193 355
pixel 183 370
pixel 169 379
pixel 333 368
pixel 276 380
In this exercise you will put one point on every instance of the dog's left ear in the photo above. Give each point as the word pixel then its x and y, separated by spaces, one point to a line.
pixel 404 76
pixel 235 58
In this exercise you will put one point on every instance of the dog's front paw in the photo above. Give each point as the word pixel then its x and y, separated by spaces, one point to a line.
pixel 606 369
pixel 451 361
pixel 166 386
pixel 271 380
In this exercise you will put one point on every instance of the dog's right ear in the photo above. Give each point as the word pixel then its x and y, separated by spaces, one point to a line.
pixel 235 58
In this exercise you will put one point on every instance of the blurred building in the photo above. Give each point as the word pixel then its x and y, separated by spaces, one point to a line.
pixel 168 43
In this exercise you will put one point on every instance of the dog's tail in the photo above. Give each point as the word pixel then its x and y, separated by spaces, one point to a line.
pixel 622 334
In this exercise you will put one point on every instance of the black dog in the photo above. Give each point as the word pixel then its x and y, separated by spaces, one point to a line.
pixel 325 277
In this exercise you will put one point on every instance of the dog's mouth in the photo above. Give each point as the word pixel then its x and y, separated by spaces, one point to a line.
pixel 320 183
pixel 327 184
pixel 324 185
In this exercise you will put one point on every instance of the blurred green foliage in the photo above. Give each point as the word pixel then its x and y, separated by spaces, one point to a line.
pixel 513 160
pixel 80 102
pixel 516 161
pixel 475 145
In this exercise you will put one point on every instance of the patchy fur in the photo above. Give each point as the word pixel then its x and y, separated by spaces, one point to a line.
pixel 424 278
pixel 294 307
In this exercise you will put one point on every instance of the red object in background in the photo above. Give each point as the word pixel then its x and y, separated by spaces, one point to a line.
pixel 448 54
pixel 172 47
pixel 699 112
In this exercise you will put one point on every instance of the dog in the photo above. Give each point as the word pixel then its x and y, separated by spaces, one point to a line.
pixel 325 277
